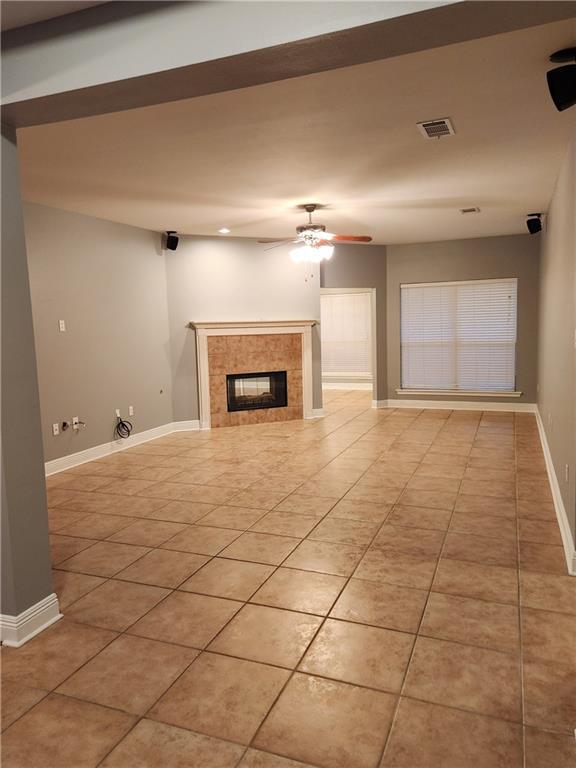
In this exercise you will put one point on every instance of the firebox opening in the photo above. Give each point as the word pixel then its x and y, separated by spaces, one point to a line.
pixel 250 391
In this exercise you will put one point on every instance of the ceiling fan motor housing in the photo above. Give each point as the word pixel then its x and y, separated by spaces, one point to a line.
pixel 310 228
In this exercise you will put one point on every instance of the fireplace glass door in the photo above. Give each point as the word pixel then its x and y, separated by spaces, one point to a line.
pixel 250 391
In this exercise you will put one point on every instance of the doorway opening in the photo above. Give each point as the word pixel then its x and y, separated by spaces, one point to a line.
pixel 347 331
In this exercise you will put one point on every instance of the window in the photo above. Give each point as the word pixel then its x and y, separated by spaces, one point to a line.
pixel 459 336
pixel 346 320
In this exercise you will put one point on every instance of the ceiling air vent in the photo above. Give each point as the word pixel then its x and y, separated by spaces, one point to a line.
pixel 470 210
pixel 435 129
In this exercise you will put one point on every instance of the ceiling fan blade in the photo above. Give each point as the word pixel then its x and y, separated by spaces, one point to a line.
pixel 351 239
pixel 274 240
pixel 278 243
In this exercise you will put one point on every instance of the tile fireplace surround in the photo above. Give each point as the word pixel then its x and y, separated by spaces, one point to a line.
pixel 250 347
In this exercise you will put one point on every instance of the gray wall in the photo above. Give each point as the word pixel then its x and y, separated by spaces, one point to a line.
pixel 127 305
pixel 482 258
pixel 108 282
pixel 364 266
pixel 225 279
pixel 26 577
pixel 557 343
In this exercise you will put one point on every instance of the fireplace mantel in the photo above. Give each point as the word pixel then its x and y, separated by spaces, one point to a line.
pixel 225 325
pixel 245 327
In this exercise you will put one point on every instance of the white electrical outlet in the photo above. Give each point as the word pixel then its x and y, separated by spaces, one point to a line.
pixel 567 473
pixel 55 429
pixel 130 410
pixel 75 423
pixel 62 326
pixel 118 412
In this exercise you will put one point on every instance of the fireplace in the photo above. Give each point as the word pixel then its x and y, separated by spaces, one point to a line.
pixel 255 350
pixel 251 391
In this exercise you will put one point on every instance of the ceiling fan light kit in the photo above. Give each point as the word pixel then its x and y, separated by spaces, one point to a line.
pixel 312 253
pixel 316 244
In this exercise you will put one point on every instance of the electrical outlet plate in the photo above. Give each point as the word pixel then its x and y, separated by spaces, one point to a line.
pixel 55 429
pixel 130 410
pixel 118 412
pixel 75 422
pixel 62 326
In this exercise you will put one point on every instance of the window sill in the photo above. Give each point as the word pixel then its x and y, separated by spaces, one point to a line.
pixel 347 377
pixel 456 393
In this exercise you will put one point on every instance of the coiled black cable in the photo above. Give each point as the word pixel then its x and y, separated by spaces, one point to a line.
pixel 123 428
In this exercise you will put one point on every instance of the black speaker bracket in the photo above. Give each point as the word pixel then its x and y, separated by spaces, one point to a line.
pixel 563 56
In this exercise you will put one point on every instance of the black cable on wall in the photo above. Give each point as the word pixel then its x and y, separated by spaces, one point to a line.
pixel 123 428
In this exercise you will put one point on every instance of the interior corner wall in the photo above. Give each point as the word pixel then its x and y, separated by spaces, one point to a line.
pixel 557 341
pixel 364 266
pixel 227 279
pixel 474 259
pixel 107 282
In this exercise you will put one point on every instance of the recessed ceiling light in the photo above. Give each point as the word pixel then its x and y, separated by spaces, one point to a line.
pixel 224 231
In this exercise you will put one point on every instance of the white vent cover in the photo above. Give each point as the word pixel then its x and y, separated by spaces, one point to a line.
pixel 435 129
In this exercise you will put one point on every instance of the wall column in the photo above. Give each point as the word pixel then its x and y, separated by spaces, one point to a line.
pixel 28 603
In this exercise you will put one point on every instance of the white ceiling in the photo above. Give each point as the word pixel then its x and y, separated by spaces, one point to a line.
pixel 19 13
pixel 346 138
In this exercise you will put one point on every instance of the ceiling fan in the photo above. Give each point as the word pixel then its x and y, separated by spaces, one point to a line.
pixel 315 243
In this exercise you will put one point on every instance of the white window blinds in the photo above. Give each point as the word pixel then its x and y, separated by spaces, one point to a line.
pixel 459 336
pixel 345 331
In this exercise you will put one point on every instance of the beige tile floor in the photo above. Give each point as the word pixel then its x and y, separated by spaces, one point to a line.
pixel 377 588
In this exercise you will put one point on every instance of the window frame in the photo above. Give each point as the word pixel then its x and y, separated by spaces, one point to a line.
pixel 458 392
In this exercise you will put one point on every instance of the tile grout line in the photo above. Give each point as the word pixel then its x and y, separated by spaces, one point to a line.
pixel 245 602
pixel 204 650
pixel 322 623
pixel 325 618
pixel 293 610
pixel 160 547
pixel 518 575
pixel 320 626
pixel 417 634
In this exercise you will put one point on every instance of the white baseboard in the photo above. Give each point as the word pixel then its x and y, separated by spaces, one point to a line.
pixel 186 426
pixel 457 405
pixel 315 413
pixel 562 517
pixel 106 449
pixel 17 630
